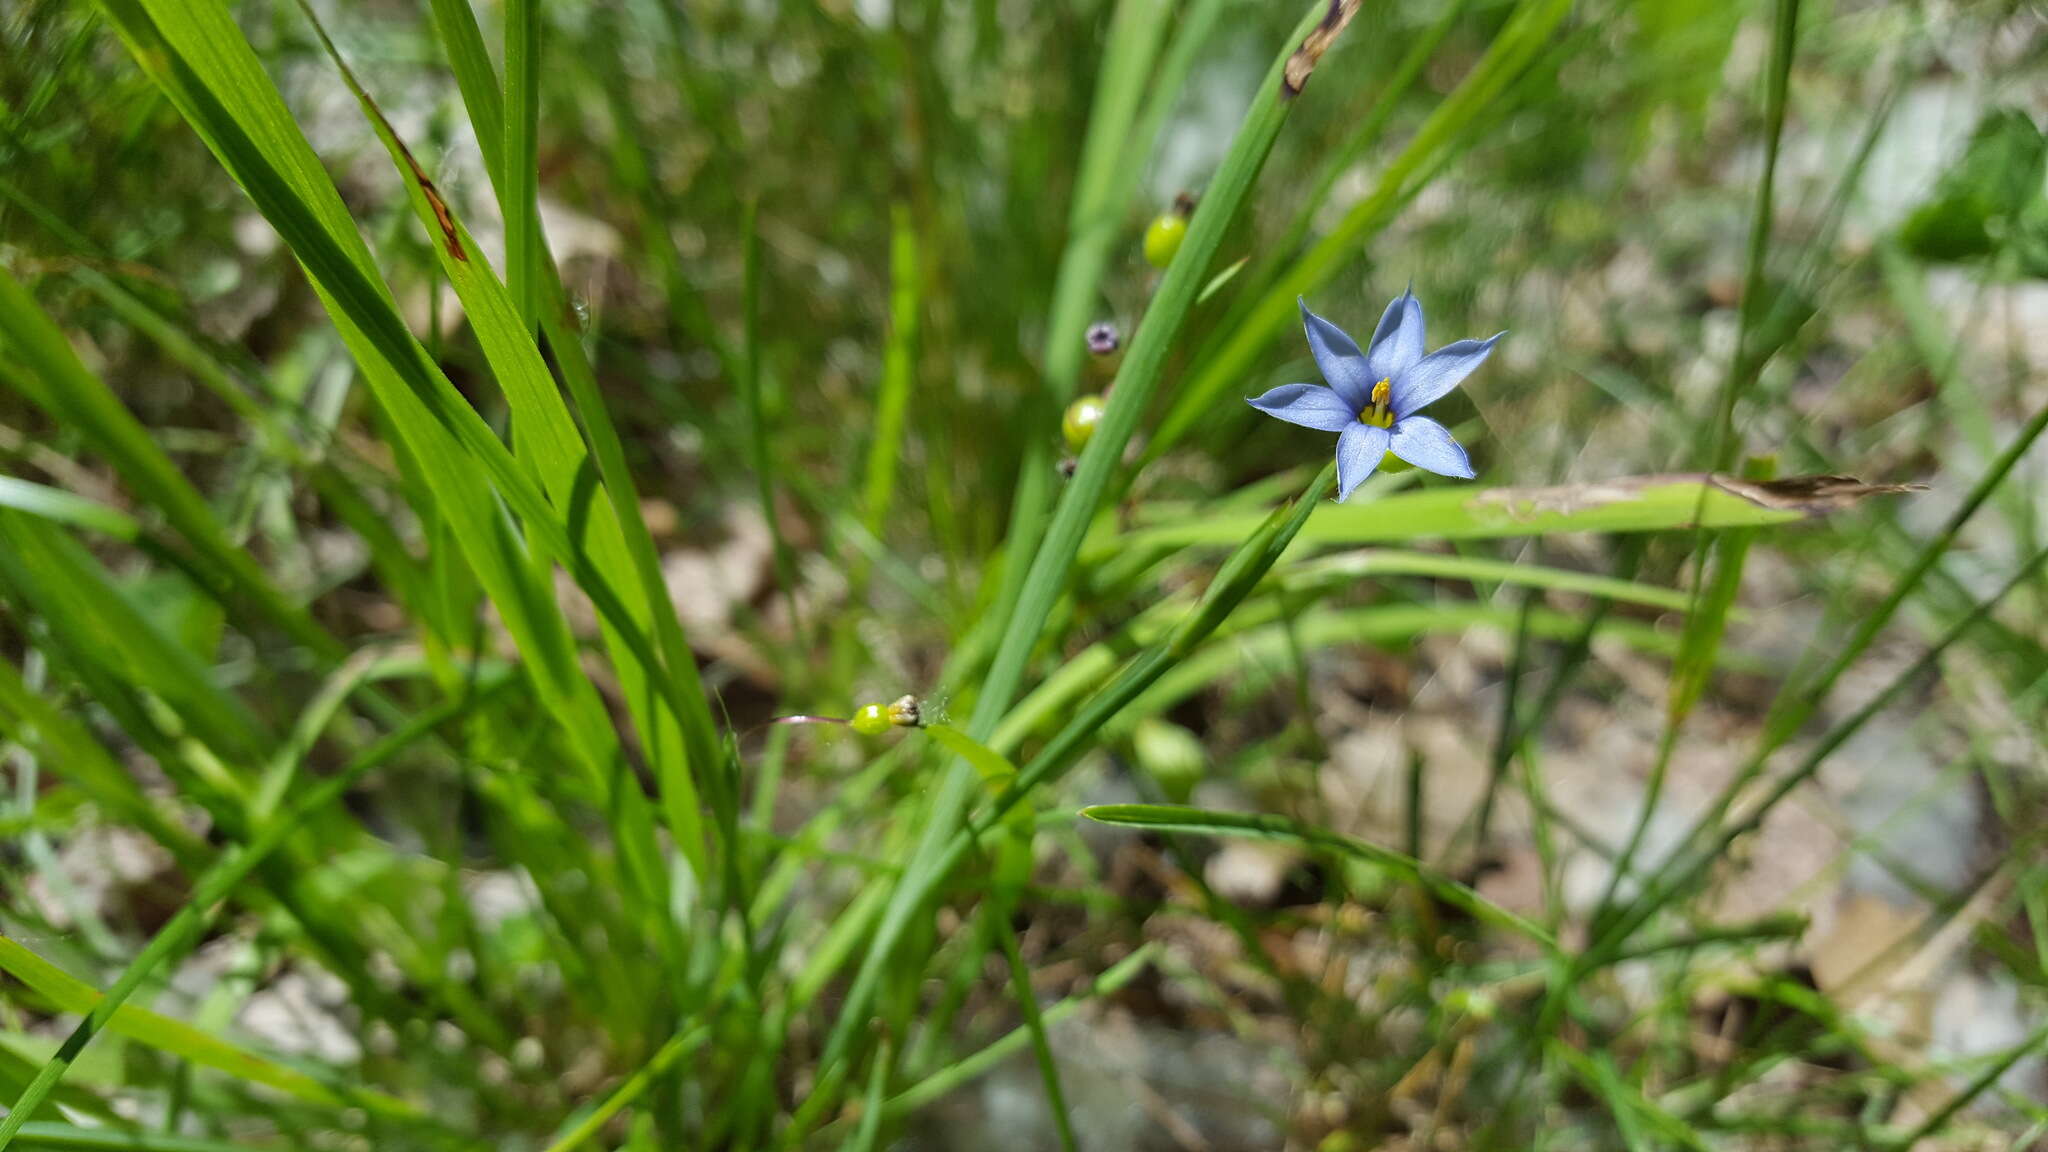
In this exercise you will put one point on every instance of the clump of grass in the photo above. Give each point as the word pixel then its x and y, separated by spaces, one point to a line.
pixel 352 522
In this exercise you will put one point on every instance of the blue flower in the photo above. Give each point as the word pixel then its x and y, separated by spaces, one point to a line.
pixel 1374 395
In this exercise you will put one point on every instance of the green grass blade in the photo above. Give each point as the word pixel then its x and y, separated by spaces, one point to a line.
pixel 186 350
pixel 1713 842
pixel 870 1127
pixel 1748 360
pixel 67 508
pixel 1791 710
pixel 1720 573
pixel 1983 1082
pixel 753 407
pixel 1102 187
pixel 201 61
pixel 1628 504
pixel 66 1137
pixel 899 364
pixel 1331 571
pixel 1034 1022
pixel 519 191
pixel 1707 623
pixel 1626 1103
pixel 1364 136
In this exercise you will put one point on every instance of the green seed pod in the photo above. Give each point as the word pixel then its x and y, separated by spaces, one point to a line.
pixel 1476 1002
pixel 871 720
pixel 1080 421
pixel 1163 237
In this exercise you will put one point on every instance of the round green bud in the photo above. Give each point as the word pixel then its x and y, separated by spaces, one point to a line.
pixel 871 720
pixel 1475 1002
pixel 1171 755
pixel 1080 421
pixel 1163 237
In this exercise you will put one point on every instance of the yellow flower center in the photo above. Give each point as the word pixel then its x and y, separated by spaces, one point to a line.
pixel 1380 415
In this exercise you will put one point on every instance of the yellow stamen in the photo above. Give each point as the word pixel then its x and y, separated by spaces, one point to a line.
pixel 1380 415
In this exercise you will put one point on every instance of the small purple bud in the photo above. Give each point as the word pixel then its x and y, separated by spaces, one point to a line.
pixel 1103 338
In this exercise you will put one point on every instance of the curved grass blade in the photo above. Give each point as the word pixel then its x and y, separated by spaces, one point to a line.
pixel 1629 504
pixel 67 508
pixel 899 365
pixel 519 193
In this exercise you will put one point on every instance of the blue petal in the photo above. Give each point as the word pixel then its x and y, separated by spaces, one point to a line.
pixel 1438 373
pixel 1309 405
pixel 1359 450
pixel 1342 364
pixel 1397 342
pixel 1427 444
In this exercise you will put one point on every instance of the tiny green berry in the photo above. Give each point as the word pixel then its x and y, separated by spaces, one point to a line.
pixel 1080 421
pixel 1163 237
pixel 871 720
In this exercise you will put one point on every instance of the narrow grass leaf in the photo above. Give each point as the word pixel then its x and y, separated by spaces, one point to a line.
pixel 1631 504
pixel 62 1137
pixel 67 508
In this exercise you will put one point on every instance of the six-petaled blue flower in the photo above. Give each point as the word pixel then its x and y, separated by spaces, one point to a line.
pixel 1374 395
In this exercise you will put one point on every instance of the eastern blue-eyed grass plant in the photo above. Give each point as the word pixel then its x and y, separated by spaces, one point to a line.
pixel 1374 396
pixel 346 494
